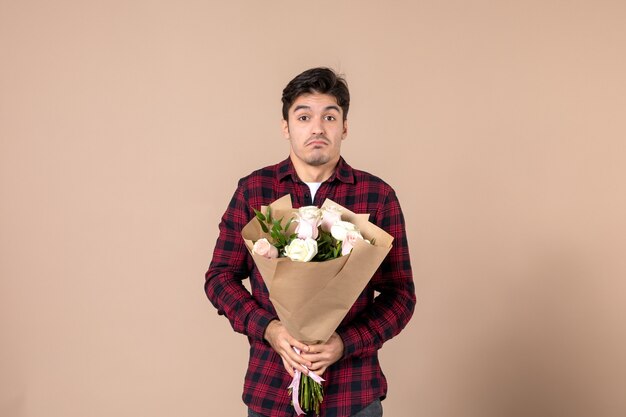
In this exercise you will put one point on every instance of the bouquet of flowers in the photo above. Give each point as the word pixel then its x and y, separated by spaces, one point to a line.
pixel 315 262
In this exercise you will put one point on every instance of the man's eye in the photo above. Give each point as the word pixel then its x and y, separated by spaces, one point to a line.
pixel 303 118
pixel 330 118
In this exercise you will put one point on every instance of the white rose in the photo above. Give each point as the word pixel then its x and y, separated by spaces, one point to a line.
pixel 310 213
pixel 341 228
pixel 301 250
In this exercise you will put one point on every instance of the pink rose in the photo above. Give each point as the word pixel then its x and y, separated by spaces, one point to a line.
pixel 309 218
pixel 330 216
pixel 307 229
pixel 350 240
pixel 264 248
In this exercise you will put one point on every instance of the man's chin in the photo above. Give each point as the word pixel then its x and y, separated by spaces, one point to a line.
pixel 316 162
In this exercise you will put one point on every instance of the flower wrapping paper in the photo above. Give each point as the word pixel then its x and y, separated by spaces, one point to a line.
pixel 312 298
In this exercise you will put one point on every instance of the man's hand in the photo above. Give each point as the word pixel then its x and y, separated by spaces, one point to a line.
pixel 323 355
pixel 282 342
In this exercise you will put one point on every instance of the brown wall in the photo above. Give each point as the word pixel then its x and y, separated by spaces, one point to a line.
pixel 124 126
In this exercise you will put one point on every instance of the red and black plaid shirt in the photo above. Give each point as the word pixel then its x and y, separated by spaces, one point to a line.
pixel 356 380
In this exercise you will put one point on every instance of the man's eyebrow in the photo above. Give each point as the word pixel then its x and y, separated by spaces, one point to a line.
pixel 303 107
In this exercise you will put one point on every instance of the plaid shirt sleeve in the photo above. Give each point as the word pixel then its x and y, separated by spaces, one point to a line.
pixel 394 306
pixel 231 264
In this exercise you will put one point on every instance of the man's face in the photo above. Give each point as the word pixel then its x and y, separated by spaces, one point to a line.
pixel 315 129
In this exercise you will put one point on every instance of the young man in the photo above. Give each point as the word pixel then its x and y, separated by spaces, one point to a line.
pixel 315 110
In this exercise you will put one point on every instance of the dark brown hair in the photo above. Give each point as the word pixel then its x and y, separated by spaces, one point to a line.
pixel 317 80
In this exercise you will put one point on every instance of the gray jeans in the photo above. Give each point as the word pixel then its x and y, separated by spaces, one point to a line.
pixel 375 409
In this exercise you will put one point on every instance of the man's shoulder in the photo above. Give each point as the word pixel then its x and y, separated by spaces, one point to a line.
pixel 267 173
pixel 365 177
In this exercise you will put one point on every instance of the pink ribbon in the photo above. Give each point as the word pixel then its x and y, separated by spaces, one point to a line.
pixel 295 385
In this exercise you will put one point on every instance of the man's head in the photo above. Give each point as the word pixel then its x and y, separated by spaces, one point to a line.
pixel 317 80
pixel 315 106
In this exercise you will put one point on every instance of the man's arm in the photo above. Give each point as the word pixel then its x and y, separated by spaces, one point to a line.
pixel 231 264
pixel 395 304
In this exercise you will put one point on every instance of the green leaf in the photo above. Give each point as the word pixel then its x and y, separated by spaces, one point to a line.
pixel 269 214
pixel 259 215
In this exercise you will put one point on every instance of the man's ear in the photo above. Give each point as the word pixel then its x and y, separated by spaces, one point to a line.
pixel 345 129
pixel 285 128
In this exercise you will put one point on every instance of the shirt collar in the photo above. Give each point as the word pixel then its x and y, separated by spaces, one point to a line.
pixel 343 171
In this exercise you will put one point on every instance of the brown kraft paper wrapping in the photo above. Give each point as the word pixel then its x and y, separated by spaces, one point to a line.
pixel 312 298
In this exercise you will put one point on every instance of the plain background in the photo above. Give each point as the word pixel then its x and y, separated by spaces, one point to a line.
pixel 125 125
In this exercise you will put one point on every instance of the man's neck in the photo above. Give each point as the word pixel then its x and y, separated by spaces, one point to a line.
pixel 311 173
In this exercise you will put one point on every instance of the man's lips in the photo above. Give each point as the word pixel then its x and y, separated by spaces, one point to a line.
pixel 317 142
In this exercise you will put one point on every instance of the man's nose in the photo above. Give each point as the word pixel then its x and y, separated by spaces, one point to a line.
pixel 318 126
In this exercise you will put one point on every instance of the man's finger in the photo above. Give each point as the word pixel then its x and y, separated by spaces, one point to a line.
pixel 313 357
pixel 295 357
pixel 297 344
pixel 316 348
pixel 296 365
pixel 294 360
pixel 288 367
pixel 301 364
pixel 316 367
